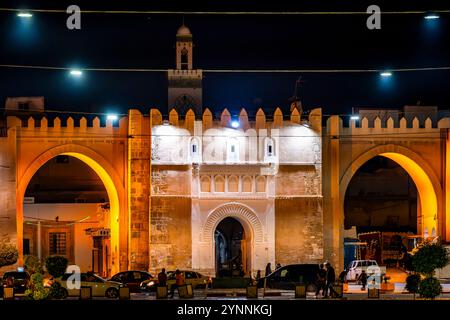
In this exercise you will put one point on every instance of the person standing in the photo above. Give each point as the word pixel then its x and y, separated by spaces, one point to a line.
pixel 330 279
pixel 268 269
pixel 162 278
pixel 179 281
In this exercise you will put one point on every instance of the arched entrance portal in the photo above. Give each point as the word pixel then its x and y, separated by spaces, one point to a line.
pixel 107 175
pixel 428 186
pixel 231 248
pixel 242 219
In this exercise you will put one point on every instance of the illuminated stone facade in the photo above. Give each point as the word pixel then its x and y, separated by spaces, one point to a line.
pixel 284 180
pixel 172 180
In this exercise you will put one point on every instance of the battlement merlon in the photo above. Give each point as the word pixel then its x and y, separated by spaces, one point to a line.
pixel 312 121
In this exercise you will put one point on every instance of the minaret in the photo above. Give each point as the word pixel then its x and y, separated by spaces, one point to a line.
pixel 185 83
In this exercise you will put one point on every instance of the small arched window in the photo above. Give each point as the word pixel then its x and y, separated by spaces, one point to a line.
pixel 233 184
pixel 261 184
pixel 184 59
pixel 233 150
pixel 269 149
pixel 219 184
pixel 247 184
pixel 194 151
pixel 205 184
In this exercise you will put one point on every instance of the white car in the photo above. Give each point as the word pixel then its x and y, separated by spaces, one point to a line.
pixel 356 267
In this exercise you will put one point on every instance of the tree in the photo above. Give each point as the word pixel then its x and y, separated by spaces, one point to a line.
pixel 412 283
pixel 8 254
pixel 36 289
pixel 56 265
pixel 33 265
pixel 428 257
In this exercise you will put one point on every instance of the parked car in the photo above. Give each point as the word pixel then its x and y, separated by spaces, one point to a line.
pixel 197 280
pixel 356 267
pixel 100 287
pixel 290 276
pixel 132 279
pixel 20 281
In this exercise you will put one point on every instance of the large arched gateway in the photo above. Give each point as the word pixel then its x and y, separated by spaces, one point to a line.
pixel 428 186
pixel 104 171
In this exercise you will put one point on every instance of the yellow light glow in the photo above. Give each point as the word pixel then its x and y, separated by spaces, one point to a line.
pixel 114 204
pixel 428 200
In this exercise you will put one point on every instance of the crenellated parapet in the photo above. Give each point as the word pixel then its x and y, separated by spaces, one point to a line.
pixel 57 125
pixel 259 120
pixel 355 126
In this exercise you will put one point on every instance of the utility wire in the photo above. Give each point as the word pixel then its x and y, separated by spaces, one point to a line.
pixel 18 66
pixel 265 13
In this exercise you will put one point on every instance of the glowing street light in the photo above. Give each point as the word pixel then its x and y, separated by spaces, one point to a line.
pixel 235 124
pixel 431 16
pixel 355 117
pixel 24 15
pixel 76 72
pixel 112 117
pixel 386 74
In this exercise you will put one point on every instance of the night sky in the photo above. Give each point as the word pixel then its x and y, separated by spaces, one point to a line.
pixel 228 42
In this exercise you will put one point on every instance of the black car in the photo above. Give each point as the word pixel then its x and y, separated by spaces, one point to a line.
pixel 19 279
pixel 288 277
pixel 132 279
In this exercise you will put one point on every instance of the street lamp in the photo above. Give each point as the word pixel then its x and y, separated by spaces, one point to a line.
pixel 112 117
pixel 431 16
pixel 355 117
pixel 235 124
pixel 24 15
pixel 76 72
pixel 386 74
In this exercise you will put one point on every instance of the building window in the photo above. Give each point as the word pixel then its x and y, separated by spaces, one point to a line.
pixel 57 243
pixel 26 246
pixel 205 184
pixel 24 106
pixel 247 184
pixel 184 59
pixel 195 148
pixel 219 184
pixel 233 150
pixel 233 184
pixel 269 147
pixel 261 184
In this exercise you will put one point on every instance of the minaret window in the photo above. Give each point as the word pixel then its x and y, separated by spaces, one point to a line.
pixel 184 59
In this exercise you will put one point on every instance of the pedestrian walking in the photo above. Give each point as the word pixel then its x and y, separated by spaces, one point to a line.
pixel 321 280
pixel 330 279
pixel 363 279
